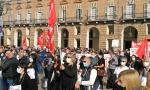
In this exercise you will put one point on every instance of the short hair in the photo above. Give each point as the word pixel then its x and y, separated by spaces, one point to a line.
pixel 23 65
pixel 28 52
pixel 73 58
pixel 125 59
pixel 147 58
pixel 134 56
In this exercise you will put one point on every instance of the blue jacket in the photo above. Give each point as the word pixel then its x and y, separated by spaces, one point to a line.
pixel 42 56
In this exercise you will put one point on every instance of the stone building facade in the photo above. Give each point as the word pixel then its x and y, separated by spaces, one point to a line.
pixel 80 23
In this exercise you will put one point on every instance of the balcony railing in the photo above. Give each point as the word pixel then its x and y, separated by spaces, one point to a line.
pixel 39 21
pixel 102 18
pixel 71 19
pixel 133 16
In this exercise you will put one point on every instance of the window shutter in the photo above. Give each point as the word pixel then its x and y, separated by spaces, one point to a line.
pixel 81 13
pixel 124 11
pixel 134 10
pixel 145 9
pixel 64 15
pixel 106 12
pixel 89 14
pixel 148 9
pixel 77 14
pixel 114 14
pixel 96 13
pixel 60 16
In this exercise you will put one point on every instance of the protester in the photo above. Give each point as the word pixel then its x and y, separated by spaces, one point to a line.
pixel 9 68
pixel 22 58
pixel 101 66
pixel 54 76
pixel 145 73
pixel 42 56
pixel 46 64
pixel 94 60
pixel 123 67
pixel 69 73
pixel 127 80
pixel 88 76
pixel 122 55
pixel 111 68
pixel 136 64
pixel 1 78
pixel 23 78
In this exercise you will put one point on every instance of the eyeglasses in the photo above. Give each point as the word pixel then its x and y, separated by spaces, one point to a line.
pixel 68 57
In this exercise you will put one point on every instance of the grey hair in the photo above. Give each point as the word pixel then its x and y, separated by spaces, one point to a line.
pixel 147 58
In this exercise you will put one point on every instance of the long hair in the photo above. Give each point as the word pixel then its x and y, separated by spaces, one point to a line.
pixel 24 66
pixel 130 78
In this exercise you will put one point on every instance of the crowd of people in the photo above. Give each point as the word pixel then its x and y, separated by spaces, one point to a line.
pixel 20 67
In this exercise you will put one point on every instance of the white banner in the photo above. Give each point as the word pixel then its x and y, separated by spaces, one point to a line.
pixel 133 51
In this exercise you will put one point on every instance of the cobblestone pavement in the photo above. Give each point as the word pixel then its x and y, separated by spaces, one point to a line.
pixel 41 78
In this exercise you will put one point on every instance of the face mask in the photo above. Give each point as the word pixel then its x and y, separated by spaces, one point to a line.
pixel 24 54
pixel 19 70
pixel 146 64
pixel 120 54
pixel 85 64
pixel 100 56
pixel 133 58
pixel 31 60
pixel 2 54
pixel 93 56
pixel 68 60
pixel 122 63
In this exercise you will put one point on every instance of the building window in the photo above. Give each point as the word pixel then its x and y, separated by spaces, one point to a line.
pixel 109 41
pixel 147 9
pixel 8 31
pixel 28 41
pixel 9 1
pixel 39 15
pixel 10 17
pixel 93 11
pixel 77 30
pixel 78 12
pixel 28 16
pixel 129 10
pixel 18 17
pixel 18 1
pixel 148 28
pixel 28 31
pixel 77 43
pixel 28 1
pixel 62 14
pixel 110 11
pixel 111 29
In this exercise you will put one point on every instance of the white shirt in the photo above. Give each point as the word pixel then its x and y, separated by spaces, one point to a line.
pixel 92 79
pixel 118 70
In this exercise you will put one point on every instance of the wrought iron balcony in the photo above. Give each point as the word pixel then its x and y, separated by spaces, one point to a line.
pixel 40 21
pixel 133 16
pixel 102 18
pixel 70 20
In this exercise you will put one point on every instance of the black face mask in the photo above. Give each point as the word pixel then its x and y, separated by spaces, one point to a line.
pixel 118 87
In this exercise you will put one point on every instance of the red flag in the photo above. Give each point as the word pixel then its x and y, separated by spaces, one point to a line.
pixel 42 39
pixel 52 21
pixel 143 49
pixel 24 44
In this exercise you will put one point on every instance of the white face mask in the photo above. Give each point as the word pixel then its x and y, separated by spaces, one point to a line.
pixel 122 63
pixel 146 64
pixel 93 56
pixel 24 54
pixel 19 70
pixel 68 60
pixel 133 58
pixel 31 60
pixel 100 56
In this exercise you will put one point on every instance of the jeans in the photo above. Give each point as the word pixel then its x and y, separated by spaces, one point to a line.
pixel 109 72
pixel 101 80
pixel 37 79
pixel 8 83
pixel 40 68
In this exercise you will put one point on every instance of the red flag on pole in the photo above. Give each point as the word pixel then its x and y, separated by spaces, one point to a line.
pixel 143 49
pixel 52 21
pixel 24 44
pixel 42 39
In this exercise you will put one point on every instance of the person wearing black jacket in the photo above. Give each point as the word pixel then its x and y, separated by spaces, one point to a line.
pixel 9 68
pixel 101 66
pixel 68 73
pixel 23 78
pixel 136 64
pixel 33 65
